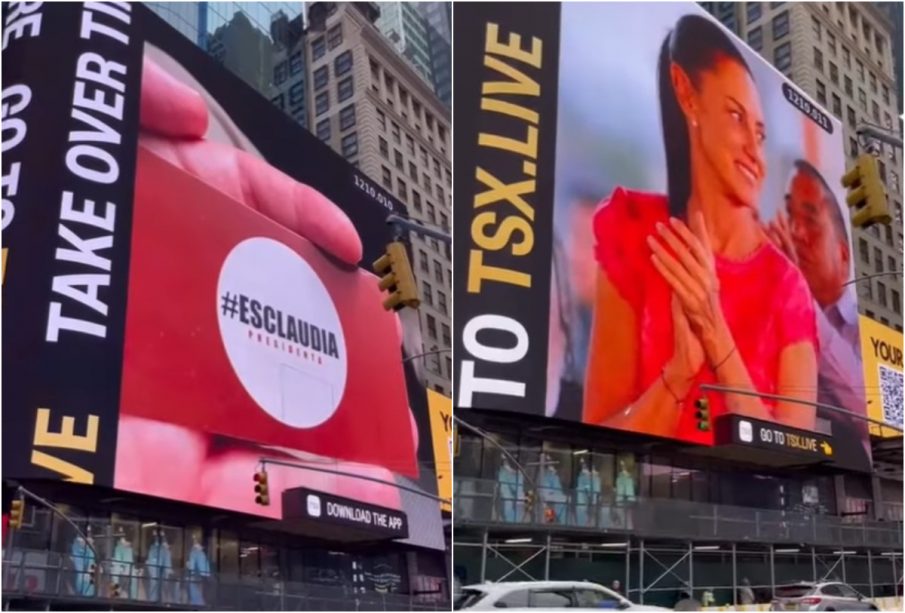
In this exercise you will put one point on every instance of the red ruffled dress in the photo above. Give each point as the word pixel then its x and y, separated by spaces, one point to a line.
pixel 765 300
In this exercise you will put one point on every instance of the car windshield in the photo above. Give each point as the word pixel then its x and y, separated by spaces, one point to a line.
pixel 793 591
pixel 467 598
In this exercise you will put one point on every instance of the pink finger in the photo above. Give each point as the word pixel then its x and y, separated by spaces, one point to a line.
pixel 299 207
pixel 169 107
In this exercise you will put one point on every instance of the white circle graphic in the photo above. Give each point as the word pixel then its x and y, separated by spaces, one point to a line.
pixel 281 332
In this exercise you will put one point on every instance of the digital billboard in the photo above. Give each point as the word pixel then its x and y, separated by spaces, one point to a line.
pixel 185 282
pixel 646 206
pixel 881 347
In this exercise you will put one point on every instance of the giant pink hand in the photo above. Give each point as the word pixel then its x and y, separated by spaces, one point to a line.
pixel 174 120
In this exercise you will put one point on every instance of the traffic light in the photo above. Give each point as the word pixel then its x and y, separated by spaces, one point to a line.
pixel 529 503
pixel 702 413
pixel 262 491
pixel 92 573
pixel 866 195
pixel 114 590
pixel 396 276
pixel 16 513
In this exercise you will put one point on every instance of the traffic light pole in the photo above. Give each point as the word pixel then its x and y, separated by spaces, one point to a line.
pixel 869 277
pixel 868 130
pixel 45 503
pixel 743 392
pixel 426 353
pixel 401 223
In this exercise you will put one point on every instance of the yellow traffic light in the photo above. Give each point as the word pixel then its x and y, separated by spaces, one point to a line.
pixel 262 490
pixel 396 276
pixel 16 513
pixel 702 413
pixel 867 195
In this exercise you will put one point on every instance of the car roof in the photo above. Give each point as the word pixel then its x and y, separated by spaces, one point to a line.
pixel 511 585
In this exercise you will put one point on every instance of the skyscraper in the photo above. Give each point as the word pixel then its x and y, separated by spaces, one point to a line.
pixel 407 30
pixel 438 21
pixel 842 54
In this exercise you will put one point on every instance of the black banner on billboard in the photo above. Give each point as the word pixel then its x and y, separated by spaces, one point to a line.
pixel 322 509
pixel 505 108
pixel 757 434
pixel 71 77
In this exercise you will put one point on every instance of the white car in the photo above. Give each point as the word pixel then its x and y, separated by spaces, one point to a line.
pixel 550 595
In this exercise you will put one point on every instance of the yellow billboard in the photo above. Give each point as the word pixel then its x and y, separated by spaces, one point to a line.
pixel 881 351
pixel 440 408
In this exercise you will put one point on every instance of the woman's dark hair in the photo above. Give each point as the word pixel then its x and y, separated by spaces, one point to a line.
pixel 695 44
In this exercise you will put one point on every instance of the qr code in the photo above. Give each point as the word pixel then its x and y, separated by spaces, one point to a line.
pixel 891 391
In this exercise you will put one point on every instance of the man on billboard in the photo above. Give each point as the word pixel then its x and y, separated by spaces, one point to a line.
pixel 690 289
pixel 814 237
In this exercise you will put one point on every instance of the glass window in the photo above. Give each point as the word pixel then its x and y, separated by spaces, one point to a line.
pixel 343 63
pixel 873 83
pixel 885 94
pixel 344 89
pixel 831 43
pixel 321 77
pixel 295 63
pixel 413 171
pixel 381 120
pixel 862 99
pixel 847 56
pixel 881 293
pixel 447 340
pixel 780 25
pixel 860 66
pixel 875 110
pixel 416 200
pixel 278 102
pixel 423 261
pixel 852 147
pixel 427 292
pixel 863 250
pixel 318 48
pixel 396 133
pixel 384 147
pixel 397 156
pixel 848 85
pixel 431 326
pixel 818 30
pixel 756 38
pixel 297 94
pixel 321 103
pixel 831 590
pixel 279 73
pixel 387 177
pixel 818 59
pixel 441 301
pixel 783 55
pixel 347 117
pixel 878 260
pixel 402 189
pixel 517 599
pixel 821 93
pixel 430 213
pixel 837 106
pixel 551 599
pixel 851 116
pixel 323 129
pixel 335 36
pixel 753 10
pixel 438 271
pixel 896 302
pixel 595 599
pixel 834 73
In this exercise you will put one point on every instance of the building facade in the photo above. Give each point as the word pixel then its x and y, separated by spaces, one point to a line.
pixel 372 107
pixel 843 55
pixel 438 18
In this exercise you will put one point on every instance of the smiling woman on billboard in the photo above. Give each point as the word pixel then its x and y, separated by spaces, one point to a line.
pixel 690 290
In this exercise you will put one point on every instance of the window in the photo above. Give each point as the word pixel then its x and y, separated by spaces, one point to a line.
pixel 831 43
pixel 818 30
pixel 423 155
pixel 595 599
pixel 402 189
pixel 413 171
pixel 321 103
pixel 783 55
pixel 295 63
pixel 318 48
pixel 878 260
pixel 431 326
pixel 896 302
pixel 780 25
pixel 852 147
pixel 441 302
pixel 889 234
pixel 410 145
pixel 818 59
pixel 397 159
pixel 323 129
pixel 885 94
pixel 551 599
pixel 439 189
pixel 396 133
pixel 422 261
pixel 753 11
pixel 416 200
pixel 344 89
pixel 875 111
pixel 850 116
pixel 848 86
pixel 756 38
pixel 514 600
pixel 863 250
pixel 862 99
pixel 831 590
pixel 335 36
pixel 384 147
pixel 438 271
pixel 881 293
pixel 870 314
pixel 873 83
pixel 381 120
pixel 834 73
pixel 343 63
pixel 347 117
pixel 427 292
pixel 444 221
pixel 847 56
pixel 426 181
pixel 437 169
pixel 387 177
pixel 430 213
pixel 321 77
pixel 837 106
pixel 278 101
pixel 887 121
pixel 821 93
pixel 890 263
pixel 447 337
pixel 279 73
pixel 860 66
pixel 350 144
